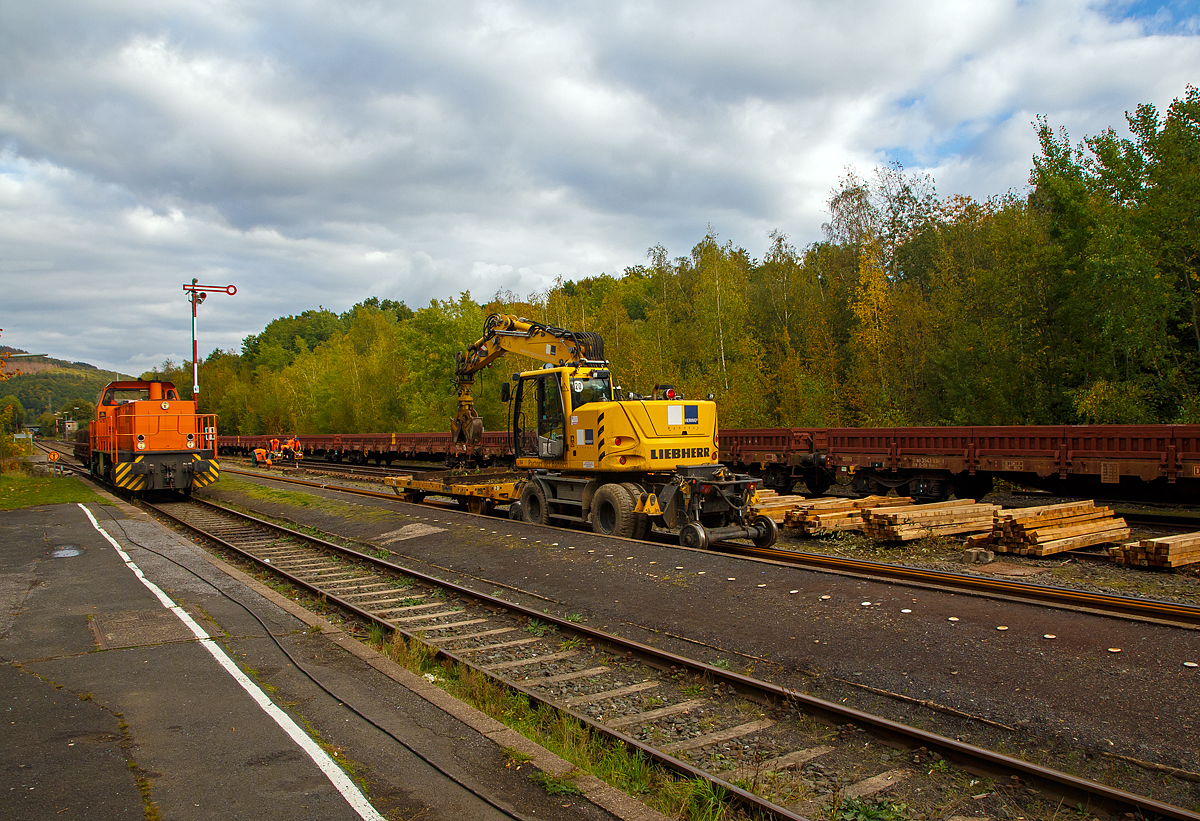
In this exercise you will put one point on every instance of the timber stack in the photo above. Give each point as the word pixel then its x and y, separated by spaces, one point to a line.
pixel 775 506
pixel 821 517
pixel 1165 551
pixel 903 524
pixel 1048 529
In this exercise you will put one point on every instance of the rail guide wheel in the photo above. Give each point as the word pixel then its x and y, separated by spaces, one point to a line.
pixel 766 531
pixel 694 535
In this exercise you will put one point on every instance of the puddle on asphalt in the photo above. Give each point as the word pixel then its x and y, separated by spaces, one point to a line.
pixel 65 551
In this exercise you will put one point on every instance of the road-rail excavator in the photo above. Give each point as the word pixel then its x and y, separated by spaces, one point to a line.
pixel 621 465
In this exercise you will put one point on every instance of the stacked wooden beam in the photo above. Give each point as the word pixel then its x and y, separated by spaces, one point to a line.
pixel 1165 551
pixel 775 506
pixel 902 524
pixel 1047 529
pixel 820 517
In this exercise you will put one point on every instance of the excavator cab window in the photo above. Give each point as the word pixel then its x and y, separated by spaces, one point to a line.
pixel 552 431
pixel 595 388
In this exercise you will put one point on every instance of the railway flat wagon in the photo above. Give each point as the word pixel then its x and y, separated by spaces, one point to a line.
pixel 380 448
pixel 926 463
pixel 933 463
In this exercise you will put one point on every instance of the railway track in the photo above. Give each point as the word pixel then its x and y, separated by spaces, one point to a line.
pixel 776 751
pixel 48 445
pixel 343 469
pixel 1185 615
pixel 1105 604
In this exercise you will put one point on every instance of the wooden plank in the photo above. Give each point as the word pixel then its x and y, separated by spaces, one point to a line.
pixel 1079 541
pixel 1050 534
pixel 1016 513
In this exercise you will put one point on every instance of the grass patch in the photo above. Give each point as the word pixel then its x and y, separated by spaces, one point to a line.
pixel 611 761
pixel 539 628
pixel 516 757
pixel 291 498
pixel 376 634
pixel 18 490
pixel 553 784
pixel 854 809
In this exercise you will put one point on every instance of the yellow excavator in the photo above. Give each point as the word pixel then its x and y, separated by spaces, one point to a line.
pixel 622 465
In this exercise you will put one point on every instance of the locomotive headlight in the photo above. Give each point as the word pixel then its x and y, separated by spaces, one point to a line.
pixel 141 445
pixel 191 444
pixel 191 436
pixel 141 437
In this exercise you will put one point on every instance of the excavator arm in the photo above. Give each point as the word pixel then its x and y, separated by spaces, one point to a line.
pixel 503 334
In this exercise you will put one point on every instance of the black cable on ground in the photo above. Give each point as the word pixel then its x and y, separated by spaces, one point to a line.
pixel 313 679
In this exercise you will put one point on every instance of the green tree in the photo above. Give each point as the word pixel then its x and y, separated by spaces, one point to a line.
pixel 13 414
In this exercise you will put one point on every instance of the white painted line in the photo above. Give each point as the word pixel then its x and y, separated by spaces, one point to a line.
pixel 336 775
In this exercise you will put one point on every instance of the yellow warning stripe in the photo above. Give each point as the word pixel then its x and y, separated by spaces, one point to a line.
pixel 205 477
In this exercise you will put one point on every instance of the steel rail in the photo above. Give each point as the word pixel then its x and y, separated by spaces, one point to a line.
pixel 968 756
pixel 1161 520
pixel 1104 603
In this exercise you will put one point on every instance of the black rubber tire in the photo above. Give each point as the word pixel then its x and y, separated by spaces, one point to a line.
pixel 533 504
pixel 768 531
pixel 694 535
pixel 641 522
pixel 514 512
pixel 612 511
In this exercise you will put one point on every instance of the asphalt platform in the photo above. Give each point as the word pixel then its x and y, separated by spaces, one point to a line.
pixel 117 705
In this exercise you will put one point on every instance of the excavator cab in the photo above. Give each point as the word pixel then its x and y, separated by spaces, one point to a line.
pixel 551 396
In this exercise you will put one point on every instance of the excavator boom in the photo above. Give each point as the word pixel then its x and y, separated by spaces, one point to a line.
pixel 504 334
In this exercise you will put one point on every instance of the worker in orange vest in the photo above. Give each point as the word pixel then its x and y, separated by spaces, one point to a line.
pixel 261 458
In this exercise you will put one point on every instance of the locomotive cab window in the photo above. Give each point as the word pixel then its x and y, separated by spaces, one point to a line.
pixel 123 396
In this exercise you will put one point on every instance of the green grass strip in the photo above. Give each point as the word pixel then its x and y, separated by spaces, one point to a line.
pixel 20 490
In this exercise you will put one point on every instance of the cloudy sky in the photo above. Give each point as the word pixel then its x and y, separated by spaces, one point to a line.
pixel 317 153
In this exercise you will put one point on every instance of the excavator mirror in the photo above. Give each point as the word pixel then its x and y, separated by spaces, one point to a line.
pixel 505 392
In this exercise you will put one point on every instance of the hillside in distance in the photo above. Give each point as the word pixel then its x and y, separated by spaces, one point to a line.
pixel 42 383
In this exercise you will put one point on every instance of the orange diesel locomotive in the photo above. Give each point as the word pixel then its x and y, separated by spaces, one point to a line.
pixel 144 437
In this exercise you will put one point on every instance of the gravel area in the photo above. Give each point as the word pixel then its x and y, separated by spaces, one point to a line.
pixel 924 657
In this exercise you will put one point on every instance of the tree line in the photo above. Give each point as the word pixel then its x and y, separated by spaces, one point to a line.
pixel 1075 302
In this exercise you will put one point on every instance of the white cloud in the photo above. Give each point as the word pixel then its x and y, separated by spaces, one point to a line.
pixel 316 153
